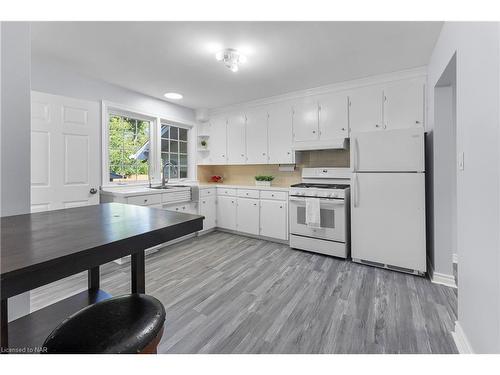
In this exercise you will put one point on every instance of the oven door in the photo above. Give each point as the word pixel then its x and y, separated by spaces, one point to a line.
pixel 332 214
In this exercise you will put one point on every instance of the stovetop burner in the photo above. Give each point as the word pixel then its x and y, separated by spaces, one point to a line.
pixel 320 186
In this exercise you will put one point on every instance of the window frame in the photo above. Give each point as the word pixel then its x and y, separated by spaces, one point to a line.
pixel 164 122
pixel 155 164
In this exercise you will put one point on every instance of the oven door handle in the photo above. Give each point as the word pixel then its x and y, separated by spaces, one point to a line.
pixel 336 202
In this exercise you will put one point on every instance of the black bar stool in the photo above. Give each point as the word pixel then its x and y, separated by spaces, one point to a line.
pixel 125 324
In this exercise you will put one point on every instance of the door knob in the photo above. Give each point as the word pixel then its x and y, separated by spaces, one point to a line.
pixel 93 191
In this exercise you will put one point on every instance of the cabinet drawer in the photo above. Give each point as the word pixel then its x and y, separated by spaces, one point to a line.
pixel 248 193
pixel 207 192
pixel 144 200
pixel 277 195
pixel 224 191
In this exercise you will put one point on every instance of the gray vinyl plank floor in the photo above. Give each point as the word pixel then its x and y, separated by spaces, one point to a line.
pixel 226 293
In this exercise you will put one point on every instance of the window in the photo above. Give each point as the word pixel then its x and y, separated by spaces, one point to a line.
pixel 174 149
pixel 128 148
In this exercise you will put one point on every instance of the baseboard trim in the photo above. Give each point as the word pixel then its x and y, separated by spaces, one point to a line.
pixel 461 341
pixel 455 258
pixel 441 278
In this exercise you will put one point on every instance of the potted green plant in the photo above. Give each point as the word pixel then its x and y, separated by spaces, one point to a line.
pixel 203 143
pixel 263 180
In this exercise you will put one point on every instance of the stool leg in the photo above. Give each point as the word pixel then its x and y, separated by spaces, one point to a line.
pixel 94 278
pixel 138 273
pixel 4 341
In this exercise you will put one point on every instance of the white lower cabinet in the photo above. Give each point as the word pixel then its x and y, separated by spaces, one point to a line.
pixel 274 219
pixel 207 209
pixel 251 211
pixel 188 208
pixel 247 215
pixel 226 212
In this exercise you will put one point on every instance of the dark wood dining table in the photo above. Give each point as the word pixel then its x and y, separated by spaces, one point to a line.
pixel 39 248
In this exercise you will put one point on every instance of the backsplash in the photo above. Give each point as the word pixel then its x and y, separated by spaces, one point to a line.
pixel 244 174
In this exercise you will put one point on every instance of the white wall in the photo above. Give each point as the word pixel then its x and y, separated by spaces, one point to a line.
pixel 477 48
pixel 15 131
pixel 55 78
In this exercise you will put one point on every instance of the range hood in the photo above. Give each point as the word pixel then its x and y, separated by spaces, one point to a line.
pixel 331 144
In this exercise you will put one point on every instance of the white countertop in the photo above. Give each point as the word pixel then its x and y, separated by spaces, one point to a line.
pixel 131 191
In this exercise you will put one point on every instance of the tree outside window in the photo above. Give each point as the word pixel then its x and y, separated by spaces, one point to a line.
pixel 129 149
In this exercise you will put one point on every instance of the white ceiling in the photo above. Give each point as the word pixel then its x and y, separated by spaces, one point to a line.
pixel 157 57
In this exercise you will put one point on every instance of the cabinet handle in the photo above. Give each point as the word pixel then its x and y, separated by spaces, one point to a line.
pixel 281 206
pixel 417 122
pixel 314 131
pixel 263 153
pixel 145 200
pixel 377 125
pixel 255 204
pixel 343 129
pixel 203 202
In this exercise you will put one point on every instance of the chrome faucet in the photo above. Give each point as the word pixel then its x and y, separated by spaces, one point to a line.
pixel 163 180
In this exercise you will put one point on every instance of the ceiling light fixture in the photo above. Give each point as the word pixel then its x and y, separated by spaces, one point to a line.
pixel 173 96
pixel 231 58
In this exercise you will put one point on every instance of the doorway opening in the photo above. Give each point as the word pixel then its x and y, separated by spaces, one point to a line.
pixel 445 257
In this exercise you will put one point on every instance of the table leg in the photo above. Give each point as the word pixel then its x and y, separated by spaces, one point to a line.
pixel 4 341
pixel 94 278
pixel 138 273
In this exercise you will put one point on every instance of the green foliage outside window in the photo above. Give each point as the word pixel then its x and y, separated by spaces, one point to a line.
pixel 128 148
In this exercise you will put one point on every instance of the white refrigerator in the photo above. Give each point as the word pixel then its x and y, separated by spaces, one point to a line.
pixel 388 199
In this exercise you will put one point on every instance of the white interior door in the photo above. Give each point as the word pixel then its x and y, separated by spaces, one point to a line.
pixel 256 136
pixel 400 150
pixel 388 219
pixel 65 154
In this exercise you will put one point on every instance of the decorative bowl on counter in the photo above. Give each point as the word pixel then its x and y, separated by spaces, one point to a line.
pixel 216 178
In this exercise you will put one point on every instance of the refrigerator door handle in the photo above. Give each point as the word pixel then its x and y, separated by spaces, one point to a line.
pixel 355 191
pixel 355 155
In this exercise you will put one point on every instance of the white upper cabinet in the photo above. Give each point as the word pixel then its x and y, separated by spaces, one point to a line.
pixel 404 104
pixel 236 143
pixel 365 109
pixel 217 141
pixel 256 136
pixel 305 120
pixel 333 116
pixel 280 134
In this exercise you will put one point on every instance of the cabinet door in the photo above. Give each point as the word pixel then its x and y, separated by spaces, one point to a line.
pixel 248 216
pixel 365 109
pixel 274 219
pixel 226 212
pixel 236 145
pixel 256 136
pixel 305 121
pixel 217 140
pixel 333 116
pixel 207 209
pixel 280 134
pixel 404 105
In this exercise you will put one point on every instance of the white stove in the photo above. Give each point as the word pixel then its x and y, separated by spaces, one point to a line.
pixel 327 191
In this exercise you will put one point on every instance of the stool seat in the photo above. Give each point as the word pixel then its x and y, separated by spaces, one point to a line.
pixel 124 324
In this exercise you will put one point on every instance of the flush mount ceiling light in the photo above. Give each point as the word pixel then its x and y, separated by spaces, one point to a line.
pixel 231 58
pixel 173 95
